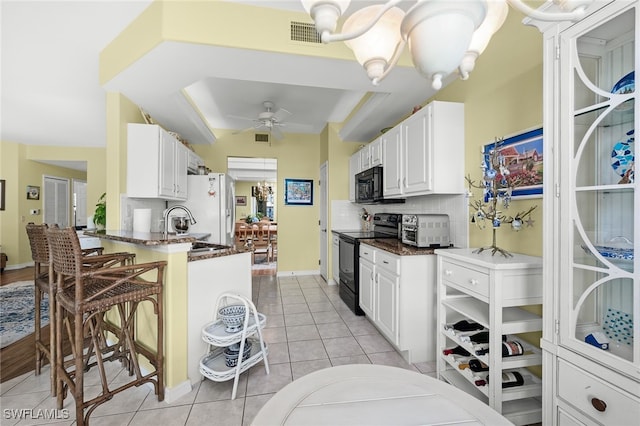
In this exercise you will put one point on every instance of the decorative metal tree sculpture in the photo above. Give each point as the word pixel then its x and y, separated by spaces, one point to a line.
pixel 497 185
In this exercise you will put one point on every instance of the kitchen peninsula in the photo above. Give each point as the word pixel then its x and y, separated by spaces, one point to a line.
pixel 192 284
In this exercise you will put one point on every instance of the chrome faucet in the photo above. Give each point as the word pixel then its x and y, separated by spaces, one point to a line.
pixel 165 215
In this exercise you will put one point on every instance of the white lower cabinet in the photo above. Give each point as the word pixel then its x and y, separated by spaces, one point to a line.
pixel 232 275
pixel 491 291
pixel 386 296
pixel 397 294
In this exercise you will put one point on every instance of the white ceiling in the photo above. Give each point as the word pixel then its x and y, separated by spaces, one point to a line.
pixel 51 95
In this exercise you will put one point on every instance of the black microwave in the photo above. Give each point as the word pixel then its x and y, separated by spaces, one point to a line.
pixel 369 189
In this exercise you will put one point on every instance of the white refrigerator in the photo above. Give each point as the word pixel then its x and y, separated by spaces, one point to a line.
pixel 211 200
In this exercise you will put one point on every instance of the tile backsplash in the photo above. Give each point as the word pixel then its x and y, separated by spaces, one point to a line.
pixel 128 205
pixel 345 215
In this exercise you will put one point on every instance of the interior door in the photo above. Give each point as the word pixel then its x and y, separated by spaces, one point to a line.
pixel 324 236
pixel 56 201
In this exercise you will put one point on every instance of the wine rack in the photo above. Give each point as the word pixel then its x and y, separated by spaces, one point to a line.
pixel 491 291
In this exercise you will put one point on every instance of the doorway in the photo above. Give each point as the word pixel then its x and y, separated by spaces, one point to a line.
pixel 256 224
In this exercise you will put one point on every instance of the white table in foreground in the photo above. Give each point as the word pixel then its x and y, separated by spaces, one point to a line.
pixel 366 394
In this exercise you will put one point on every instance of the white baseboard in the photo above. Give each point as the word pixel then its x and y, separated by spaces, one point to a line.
pixel 176 392
pixel 332 282
pixel 18 266
pixel 298 273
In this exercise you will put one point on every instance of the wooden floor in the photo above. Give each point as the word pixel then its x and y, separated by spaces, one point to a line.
pixel 19 357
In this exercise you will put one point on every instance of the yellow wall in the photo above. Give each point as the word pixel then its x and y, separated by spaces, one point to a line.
pixel 243 188
pixel 120 112
pixel 18 168
pixel 502 97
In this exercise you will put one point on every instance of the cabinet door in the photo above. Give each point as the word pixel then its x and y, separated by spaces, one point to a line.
pixel 386 299
pixel 417 177
pixel 392 159
pixel 367 293
pixel 599 281
pixel 166 177
pixel 365 158
pixel 375 152
pixel 182 160
pixel 354 169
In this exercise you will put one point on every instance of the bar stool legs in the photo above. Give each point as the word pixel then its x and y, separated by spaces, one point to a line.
pixel 84 296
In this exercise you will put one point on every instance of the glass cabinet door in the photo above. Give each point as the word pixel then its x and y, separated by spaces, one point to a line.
pixel 600 284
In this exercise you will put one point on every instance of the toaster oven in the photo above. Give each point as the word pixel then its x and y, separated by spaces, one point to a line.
pixel 425 230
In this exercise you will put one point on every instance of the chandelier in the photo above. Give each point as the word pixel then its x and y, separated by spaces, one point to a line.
pixel 444 36
pixel 262 191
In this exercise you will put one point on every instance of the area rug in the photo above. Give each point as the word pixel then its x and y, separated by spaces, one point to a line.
pixel 17 313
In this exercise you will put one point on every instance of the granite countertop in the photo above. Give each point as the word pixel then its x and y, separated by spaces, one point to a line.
pixel 397 247
pixel 146 238
pixel 158 239
pixel 195 255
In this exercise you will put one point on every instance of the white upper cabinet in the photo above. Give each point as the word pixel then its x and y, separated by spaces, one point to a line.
pixel 354 169
pixel 365 157
pixel 375 153
pixel 425 153
pixel 156 163
pixel 392 171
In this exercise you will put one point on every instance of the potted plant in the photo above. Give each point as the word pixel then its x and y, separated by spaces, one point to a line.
pixel 100 215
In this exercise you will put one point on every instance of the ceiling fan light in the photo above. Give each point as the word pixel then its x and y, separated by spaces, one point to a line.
pixel 439 34
pixel 325 13
pixel 375 48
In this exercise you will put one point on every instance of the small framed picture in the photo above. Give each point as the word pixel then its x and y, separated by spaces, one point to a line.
pixel 33 192
pixel 241 200
pixel 298 192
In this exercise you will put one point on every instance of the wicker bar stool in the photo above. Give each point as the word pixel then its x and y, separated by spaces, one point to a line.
pixel 86 297
pixel 44 283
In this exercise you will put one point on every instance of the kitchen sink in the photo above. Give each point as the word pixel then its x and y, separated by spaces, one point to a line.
pixel 204 247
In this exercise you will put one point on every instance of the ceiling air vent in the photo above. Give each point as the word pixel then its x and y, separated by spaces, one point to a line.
pixel 262 137
pixel 303 31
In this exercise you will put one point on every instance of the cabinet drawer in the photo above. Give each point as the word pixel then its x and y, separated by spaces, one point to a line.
pixel 582 390
pixel 367 253
pixel 388 262
pixel 470 279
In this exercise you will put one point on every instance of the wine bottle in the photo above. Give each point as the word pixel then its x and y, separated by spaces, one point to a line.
pixel 481 348
pixel 512 348
pixel 510 379
pixel 464 325
pixel 458 350
pixel 482 337
pixel 474 365
pixel 480 382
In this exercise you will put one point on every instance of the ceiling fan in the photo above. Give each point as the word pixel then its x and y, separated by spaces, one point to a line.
pixel 268 120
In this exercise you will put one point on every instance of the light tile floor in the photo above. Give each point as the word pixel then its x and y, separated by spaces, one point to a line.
pixel 308 328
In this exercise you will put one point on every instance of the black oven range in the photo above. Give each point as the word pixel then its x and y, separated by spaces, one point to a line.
pixel 385 225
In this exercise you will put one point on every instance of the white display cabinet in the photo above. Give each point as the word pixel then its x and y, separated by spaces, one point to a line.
pixel 591 337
